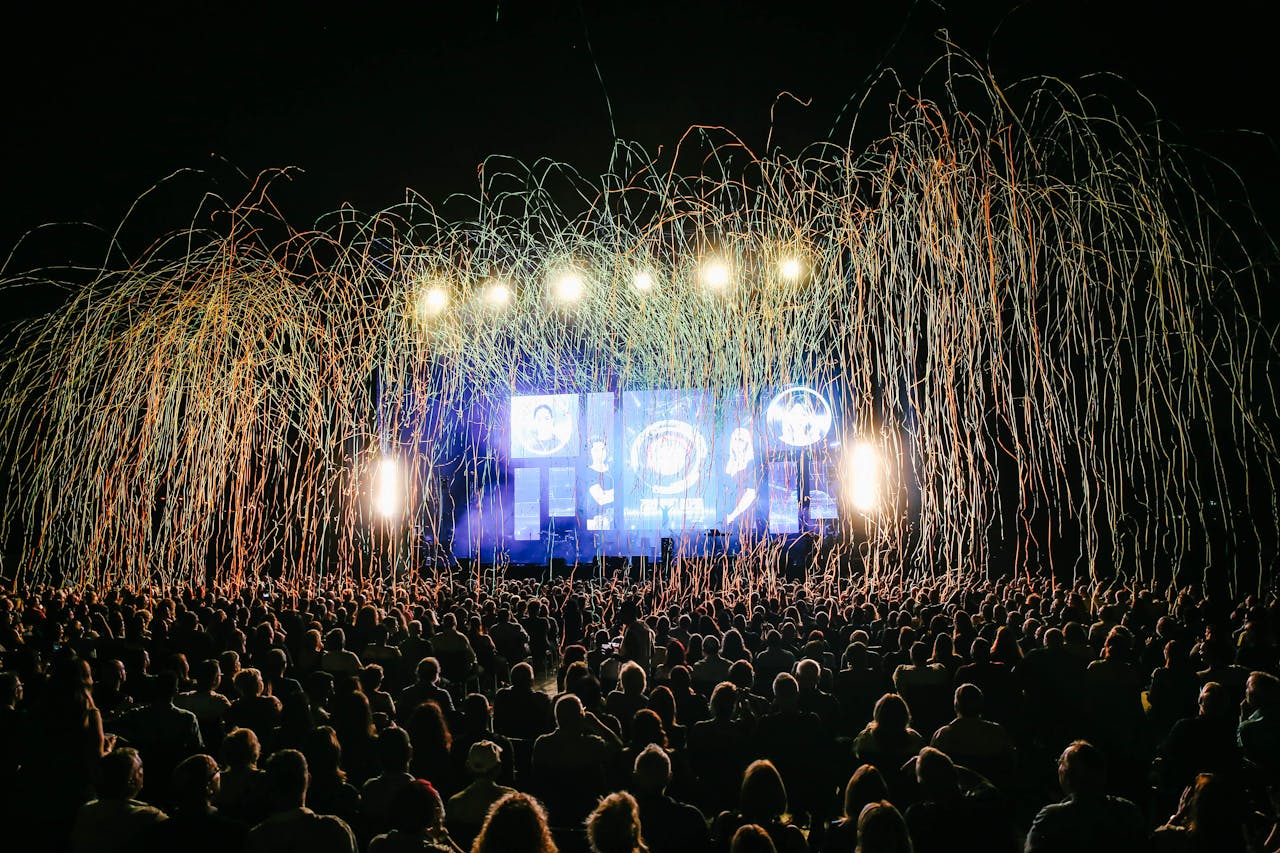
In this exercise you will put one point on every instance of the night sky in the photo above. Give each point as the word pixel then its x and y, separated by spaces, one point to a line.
pixel 102 102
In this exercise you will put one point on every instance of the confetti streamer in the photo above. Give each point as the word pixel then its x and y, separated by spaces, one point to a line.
pixel 1047 328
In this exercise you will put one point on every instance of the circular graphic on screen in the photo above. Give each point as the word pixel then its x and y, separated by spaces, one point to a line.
pixel 667 456
pixel 799 417
pixel 547 426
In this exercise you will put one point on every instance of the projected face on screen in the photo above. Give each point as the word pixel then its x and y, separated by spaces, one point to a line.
pixel 597 492
pixel 544 425
pixel 739 481
pixel 798 417
pixel 740 451
pixel 599 453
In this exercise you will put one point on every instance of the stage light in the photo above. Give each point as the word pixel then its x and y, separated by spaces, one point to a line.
pixel 388 490
pixel 715 274
pixel 568 286
pixel 863 476
pixel 791 268
pixel 497 293
pixel 433 301
pixel 643 281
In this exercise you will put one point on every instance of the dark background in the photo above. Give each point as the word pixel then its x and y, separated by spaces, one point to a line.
pixel 102 102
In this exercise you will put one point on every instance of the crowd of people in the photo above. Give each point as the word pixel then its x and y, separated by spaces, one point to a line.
pixel 572 716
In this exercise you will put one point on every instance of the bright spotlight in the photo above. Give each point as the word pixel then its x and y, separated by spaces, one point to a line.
pixel 497 294
pixel 643 281
pixel 568 287
pixel 715 274
pixel 432 302
pixel 388 490
pixel 864 476
pixel 791 269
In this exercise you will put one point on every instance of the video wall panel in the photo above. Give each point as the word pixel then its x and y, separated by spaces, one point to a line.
pixel 624 470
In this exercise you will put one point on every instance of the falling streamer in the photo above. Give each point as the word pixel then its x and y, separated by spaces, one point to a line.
pixel 1049 331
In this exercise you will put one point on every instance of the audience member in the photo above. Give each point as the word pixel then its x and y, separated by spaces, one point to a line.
pixel 515 824
pixel 417 819
pixel 293 826
pixel 881 829
pixel 115 822
pixel 668 826
pixel 467 809
pixel 977 743
pixel 751 838
pixel 865 786
pixel 395 753
pixel 1209 819
pixel 1088 819
pixel 762 800
pixel 194 825
pixel 614 825
pixel 520 711
pixel 242 786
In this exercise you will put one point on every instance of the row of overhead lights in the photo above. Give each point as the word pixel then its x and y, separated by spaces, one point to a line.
pixel 569 286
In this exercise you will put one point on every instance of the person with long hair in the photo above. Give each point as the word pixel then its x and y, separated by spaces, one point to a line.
pixel 575 653
pixel 762 800
pixel 68 742
pixel 663 703
pixel 1006 649
pixel 240 791
pixel 517 823
pixel 675 657
pixel 882 829
pixel 432 748
pixel 865 786
pixel 614 825
pixel 329 792
pixel 888 741
pixel 944 653
pixel 1208 820
pixel 352 719
pixel 752 839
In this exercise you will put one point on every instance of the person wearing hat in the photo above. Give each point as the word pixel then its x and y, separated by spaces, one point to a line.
pixel 417 818
pixel 468 807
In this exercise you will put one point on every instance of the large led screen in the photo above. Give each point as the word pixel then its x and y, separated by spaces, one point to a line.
pixel 634 466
